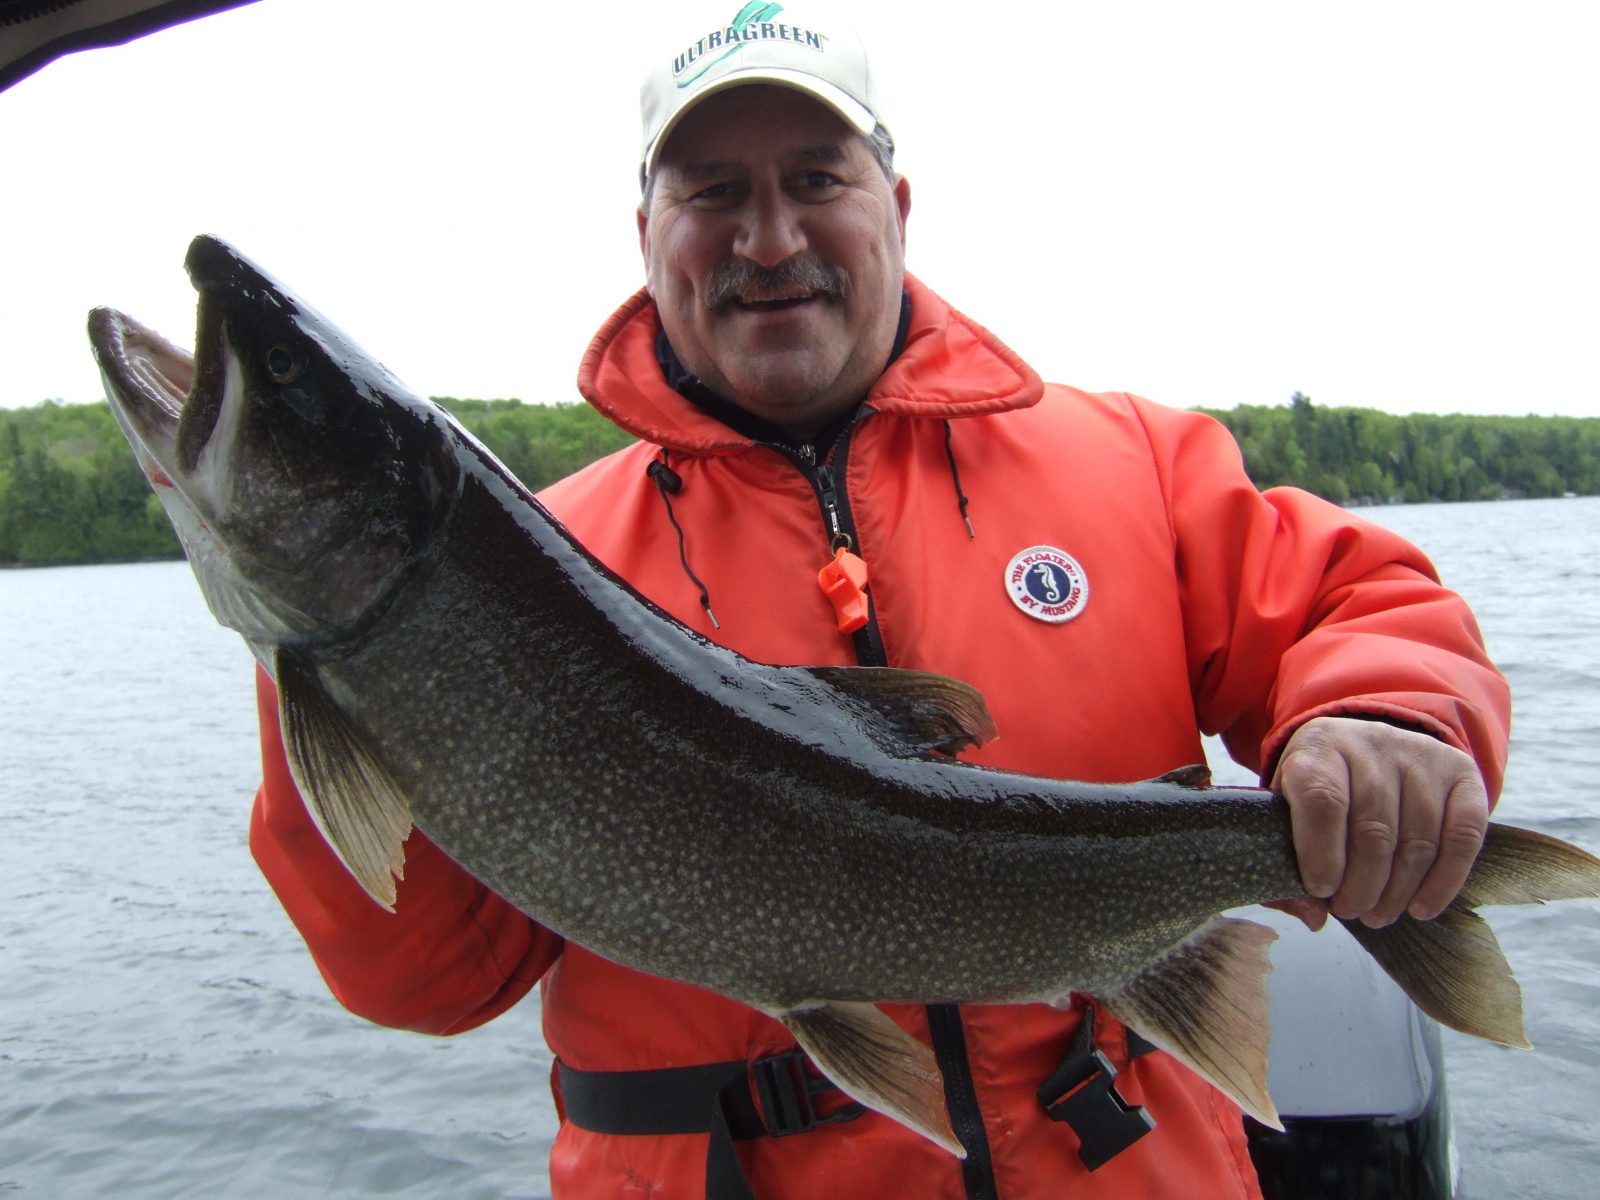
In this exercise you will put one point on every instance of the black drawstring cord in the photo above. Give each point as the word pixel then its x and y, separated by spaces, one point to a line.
pixel 955 477
pixel 669 483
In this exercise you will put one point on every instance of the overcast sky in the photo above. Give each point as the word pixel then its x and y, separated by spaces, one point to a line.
pixel 1389 204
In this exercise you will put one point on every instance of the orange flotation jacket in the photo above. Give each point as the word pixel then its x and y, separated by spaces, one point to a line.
pixel 1101 569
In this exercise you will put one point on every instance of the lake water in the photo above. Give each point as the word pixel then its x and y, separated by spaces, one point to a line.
pixel 163 1033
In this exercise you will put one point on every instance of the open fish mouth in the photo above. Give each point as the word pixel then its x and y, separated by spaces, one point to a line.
pixel 167 400
pixel 148 380
pixel 151 385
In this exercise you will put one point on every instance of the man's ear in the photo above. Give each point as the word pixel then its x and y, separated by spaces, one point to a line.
pixel 644 245
pixel 902 203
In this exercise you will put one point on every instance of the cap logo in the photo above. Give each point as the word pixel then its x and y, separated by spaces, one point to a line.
pixel 752 23
pixel 1047 584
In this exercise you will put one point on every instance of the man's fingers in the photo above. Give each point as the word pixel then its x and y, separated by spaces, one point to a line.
pixel 1466 820
pixel 1370 837
pixel 1420 804
pixel 1315 779
pixel 1385 821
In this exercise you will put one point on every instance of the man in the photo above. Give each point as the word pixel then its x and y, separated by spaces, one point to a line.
pixel 1097 566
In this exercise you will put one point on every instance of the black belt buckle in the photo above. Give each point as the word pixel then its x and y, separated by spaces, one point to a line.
pixel 1082 1092
pixel 787 1094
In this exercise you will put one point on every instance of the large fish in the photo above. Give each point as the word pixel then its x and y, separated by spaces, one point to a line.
pixel 798 839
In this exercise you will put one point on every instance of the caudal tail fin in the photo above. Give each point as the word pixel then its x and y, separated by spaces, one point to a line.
pixel 1519 866
pixel 1452 966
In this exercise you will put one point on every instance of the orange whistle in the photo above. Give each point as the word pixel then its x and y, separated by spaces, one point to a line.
pixel 844 583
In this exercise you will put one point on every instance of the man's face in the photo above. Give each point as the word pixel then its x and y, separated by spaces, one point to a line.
pixel 774 248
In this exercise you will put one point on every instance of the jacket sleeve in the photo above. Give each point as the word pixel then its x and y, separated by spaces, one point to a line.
pixel 451 956
pixel 1295 608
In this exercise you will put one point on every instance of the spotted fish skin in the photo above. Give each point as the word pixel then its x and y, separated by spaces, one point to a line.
pixel 799 839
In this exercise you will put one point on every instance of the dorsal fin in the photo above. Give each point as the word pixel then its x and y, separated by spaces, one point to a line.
pixel 1195 775
pixel 919 710
pixel 351 796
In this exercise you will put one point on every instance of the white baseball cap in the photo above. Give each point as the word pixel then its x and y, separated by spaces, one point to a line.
pixel 797 48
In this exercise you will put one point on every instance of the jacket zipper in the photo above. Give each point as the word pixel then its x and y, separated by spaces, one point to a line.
pixel 961 1099
pixel 944 1020
pixel 827 479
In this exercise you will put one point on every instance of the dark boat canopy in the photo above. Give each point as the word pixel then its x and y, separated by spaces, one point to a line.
pixel 34 32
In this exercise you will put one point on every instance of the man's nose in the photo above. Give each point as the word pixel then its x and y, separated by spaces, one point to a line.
pixel 771 230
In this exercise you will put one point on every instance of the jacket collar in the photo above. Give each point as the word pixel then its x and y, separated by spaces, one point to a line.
pixel 951 367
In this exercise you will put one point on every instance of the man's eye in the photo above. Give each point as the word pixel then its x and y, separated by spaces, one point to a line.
pixel 818 180
pixel 716 193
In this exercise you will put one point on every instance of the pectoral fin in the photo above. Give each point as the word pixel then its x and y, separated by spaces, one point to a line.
pixel 874 1061
pixel 351 796
pixel 1205 1004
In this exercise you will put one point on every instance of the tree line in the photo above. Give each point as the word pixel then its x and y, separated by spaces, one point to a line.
pixel 70 490
pixel 1362 456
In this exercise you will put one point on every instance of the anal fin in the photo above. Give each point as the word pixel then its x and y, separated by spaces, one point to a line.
pixel 875 1062
pixel 1205 1003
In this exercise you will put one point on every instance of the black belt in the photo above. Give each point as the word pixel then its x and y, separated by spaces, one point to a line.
pixel 776 1097
pixel 770 1097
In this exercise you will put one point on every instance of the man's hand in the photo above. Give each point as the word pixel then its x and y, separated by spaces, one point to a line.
pixel 1385 820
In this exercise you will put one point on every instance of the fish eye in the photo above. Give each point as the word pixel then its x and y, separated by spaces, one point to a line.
pixel 284 364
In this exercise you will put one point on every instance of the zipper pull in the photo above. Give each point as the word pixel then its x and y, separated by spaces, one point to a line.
pixel 843 581
pixel 830 505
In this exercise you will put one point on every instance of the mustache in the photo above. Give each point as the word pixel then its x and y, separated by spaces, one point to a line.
pixel 739 277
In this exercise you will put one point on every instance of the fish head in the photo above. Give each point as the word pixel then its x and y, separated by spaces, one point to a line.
pixel 303 479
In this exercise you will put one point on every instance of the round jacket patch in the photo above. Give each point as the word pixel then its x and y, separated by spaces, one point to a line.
pixel 1047 584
